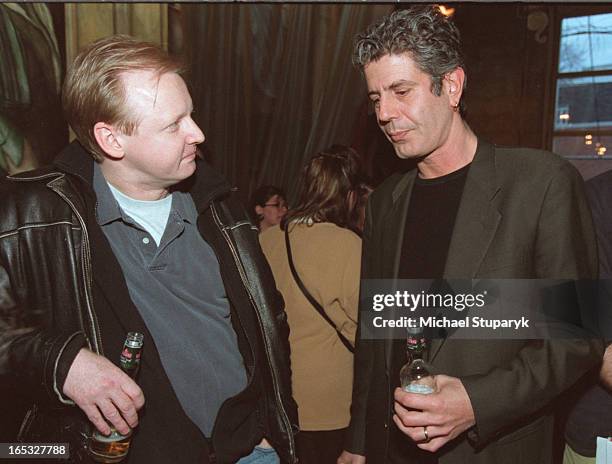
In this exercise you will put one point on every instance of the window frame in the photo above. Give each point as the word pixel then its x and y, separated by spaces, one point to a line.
pixel 561 13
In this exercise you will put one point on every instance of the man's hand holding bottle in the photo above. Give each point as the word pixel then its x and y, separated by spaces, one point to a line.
pixel 434 419
pixel 104 392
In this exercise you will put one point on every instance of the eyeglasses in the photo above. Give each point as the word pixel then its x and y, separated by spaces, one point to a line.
pixel 277 205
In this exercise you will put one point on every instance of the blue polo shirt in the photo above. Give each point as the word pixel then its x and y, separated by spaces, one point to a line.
pixel 178 290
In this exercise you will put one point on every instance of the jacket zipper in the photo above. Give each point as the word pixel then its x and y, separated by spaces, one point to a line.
pixel 86 259
pixel 238 263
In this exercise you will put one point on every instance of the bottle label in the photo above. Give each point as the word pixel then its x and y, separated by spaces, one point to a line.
pixel 414 345
pixel 130 358
pixel 418 388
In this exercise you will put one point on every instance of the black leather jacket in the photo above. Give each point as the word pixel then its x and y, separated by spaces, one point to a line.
pixel 61 289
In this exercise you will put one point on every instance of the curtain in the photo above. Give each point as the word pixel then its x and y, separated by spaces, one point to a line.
pixel 31 132
pixel 273 84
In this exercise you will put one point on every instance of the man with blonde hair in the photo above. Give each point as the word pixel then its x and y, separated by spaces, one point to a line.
pixel 129 231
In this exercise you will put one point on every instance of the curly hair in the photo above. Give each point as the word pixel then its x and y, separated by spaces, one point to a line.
pixel 430 38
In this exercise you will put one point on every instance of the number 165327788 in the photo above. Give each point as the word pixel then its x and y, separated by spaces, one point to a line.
pixel 34 450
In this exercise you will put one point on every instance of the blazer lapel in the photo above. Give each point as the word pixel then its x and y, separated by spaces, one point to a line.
pixel 476 223
pixel 394 223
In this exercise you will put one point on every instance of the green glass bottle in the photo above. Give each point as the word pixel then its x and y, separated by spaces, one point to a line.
pixel 115 447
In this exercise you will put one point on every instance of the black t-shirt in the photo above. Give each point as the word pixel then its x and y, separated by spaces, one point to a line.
pixel 429 227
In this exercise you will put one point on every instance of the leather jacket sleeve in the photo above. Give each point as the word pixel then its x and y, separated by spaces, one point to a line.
pixel 33 358
pixel 37 346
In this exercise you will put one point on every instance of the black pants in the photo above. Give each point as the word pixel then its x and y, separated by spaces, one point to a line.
pixel 322 447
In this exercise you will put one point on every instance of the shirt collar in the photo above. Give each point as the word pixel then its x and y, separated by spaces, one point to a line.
pixel 108 210
pixel 184 207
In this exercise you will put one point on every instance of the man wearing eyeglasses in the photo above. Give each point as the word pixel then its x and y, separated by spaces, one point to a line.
pixel 269 205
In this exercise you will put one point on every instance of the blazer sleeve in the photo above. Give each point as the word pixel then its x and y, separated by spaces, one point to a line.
pixel 363 362
pixel 565 248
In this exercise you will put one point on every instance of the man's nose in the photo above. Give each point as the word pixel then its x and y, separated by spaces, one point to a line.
pixel 195 134
pixel 386 111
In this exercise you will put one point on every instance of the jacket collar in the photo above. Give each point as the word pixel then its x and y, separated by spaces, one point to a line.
pixel 477 217
pixel 480 187
pixel 205 185
pixel 482 173
pixel 475 226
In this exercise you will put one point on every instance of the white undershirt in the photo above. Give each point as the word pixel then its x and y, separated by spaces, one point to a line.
pixel 152 215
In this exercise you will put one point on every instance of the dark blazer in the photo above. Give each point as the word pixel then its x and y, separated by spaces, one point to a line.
pixel 523 214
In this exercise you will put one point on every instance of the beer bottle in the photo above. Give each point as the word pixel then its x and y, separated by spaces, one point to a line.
pixel 416 376
pixel 115 447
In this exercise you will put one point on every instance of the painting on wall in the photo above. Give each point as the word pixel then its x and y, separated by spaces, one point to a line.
pixel 32 129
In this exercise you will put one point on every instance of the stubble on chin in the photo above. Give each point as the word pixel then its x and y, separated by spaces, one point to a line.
pixel 402 151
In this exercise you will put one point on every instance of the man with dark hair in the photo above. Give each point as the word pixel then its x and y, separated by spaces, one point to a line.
pixel 591 416
pixel 129 231
pixel 269 205
pixel 469 210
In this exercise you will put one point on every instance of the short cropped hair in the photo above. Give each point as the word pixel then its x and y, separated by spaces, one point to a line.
pixel 94 92
pixel 261 196
pixel 329 177
pixel 431 39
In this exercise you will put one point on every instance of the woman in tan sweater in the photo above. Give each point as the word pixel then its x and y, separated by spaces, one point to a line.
pixel 326 255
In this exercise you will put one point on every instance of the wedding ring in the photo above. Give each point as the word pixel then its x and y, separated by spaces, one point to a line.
pixel 426 434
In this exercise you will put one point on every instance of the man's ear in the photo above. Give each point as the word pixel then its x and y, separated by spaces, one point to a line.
pixel 259 210
pixel 108 139
pixel 453 85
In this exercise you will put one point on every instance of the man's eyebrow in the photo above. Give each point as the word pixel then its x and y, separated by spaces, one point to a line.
pixel 394 86
pixel 402 83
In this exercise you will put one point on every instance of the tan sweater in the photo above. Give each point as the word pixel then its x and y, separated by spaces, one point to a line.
pixel 327 259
